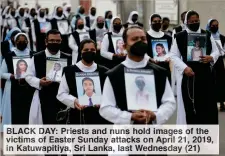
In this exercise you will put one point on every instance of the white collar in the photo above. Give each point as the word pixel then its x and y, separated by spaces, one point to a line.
pixel 41 19
pixel 155 34
pixel 117 34
pixel 132 64
pixel 79 30
pixel 84 68
pixel 48 54
pixel 21 53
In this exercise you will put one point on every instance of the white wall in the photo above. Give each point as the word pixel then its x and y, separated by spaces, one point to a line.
pixel 105 5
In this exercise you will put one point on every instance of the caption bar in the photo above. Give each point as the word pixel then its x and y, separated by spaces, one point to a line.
pixel 111 139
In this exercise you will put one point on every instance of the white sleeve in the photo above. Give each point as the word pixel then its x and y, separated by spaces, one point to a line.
pixel 24 27
pixel 176 58
pixel 215 51
pixel 109 110
pixel 31 78
pixel 33 32
pixel 147 57
pixel 174 32
pixel 4 71
pixel 63 94
pixel 168 105
pixel 105 47
pixel 74 47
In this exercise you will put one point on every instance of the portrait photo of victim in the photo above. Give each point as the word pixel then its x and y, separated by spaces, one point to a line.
pixel 119 46
pixel 89 96
pixel 55 73
pixel 160 49
pixel 196 47
pixel 142 94
pixel 21 68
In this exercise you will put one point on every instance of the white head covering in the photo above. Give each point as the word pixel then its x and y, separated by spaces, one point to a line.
pixel 40 19
pixel 90 15
pixel 65 12
pixel 94 25
pixel 130 17
pixel 32 18
pixel 111 29
pixel 152 32
pixel 6 10
pixel 186 27
pixel 25 51
pixel 55 12
pixel 18 12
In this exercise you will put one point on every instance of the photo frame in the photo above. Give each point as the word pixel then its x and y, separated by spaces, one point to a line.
pixel 118 44
pixel 140 89
pixel 20 66
pixel 63 26
pixel 54 68
pixel 45 27
pixel 160 49
pixel 196 46
pixel 88 88
pixel 84 35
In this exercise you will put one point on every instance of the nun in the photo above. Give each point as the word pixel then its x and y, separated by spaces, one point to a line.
pixel 45 106
pixel 82 113
pixel 133 20
pixel 91 18
pixel 20 17
pixel 165 26
pixel 76 38
pixel 39 27
pixel 180 27
pixel 8 44
pixel 159 43
pixel 108 50
pixel 60 23
pixel 4 25
pixel 67 11
pixel 108 18
pixel 195 82
pixel 213 27
pixel 80 14
pixel 17 95
pixel 27 25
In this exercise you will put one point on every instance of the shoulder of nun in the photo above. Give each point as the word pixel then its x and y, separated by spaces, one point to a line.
pixel 103 68
pixel 66 54
pixel 39 53
pixel 162 71
pixel 182 33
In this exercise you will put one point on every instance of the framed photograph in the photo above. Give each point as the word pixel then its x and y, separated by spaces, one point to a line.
pixel 118 44
pixel 54 68
pixel 160 49
pixel 83 36
pixel 140 89
pixel 63 27
pixel 196 46
pixel 88 88
pixel 20 66
pixel 45 27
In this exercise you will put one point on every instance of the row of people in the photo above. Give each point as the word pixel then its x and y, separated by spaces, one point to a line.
pixel 36 99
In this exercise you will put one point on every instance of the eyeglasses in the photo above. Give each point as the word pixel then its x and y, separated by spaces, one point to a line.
pixel 54 41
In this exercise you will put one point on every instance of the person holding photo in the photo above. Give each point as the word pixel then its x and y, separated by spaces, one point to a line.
pixel 17 95
pixel 21 68
pixel 195 82
pixel 75 39
pixel 44 98
pixel 55 73
pixel 110 57
pixel 197 51
pixel 114 106
pixel 86 112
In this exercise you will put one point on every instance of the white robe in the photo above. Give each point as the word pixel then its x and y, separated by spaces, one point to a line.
pixel 35 116
pixel 63 93
pixel 5 110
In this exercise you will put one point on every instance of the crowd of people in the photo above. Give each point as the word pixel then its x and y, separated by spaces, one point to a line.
pixel 64 69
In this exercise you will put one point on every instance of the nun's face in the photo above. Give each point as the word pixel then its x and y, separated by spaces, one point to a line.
pixel 117 22
pixel 100 20
pixel 193 19
pixel 89 47
pixel 21 12
pixel 215 24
